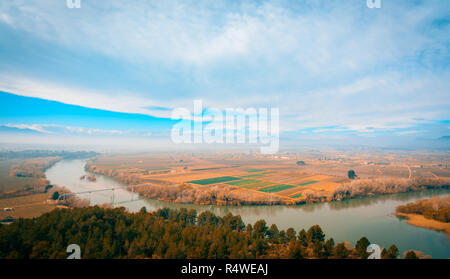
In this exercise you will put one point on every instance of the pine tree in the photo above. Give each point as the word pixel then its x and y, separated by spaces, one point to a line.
pixel 302 237
pixel 392 252
pixel 361 247
pixel 341 252
pixel 411 255
pixel 295 250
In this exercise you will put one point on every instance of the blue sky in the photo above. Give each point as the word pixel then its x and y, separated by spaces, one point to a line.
pixel 337 70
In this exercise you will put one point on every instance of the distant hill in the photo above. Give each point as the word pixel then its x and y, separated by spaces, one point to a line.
pixel 46 153
pixel 14 130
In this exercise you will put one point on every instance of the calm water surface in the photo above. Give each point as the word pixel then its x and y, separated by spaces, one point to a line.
pixel 346 220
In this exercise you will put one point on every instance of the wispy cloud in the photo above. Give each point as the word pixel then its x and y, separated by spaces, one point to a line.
pixel 323 63
pixel 111 101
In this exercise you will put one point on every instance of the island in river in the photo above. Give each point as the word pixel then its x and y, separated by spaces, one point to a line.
pixel 433 213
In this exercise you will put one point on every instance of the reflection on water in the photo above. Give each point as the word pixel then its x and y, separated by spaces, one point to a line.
pixel 345 220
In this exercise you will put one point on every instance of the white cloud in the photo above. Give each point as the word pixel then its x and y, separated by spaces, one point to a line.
pixel 111 101
pixel 34 127
pixel 61 129
pixel 329 64
pixel 6 19
pixel 203 32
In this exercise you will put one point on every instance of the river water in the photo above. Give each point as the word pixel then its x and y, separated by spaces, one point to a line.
pixel 345 220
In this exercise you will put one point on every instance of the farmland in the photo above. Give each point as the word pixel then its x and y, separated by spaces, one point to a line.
pixel 214 180
pixel 23 185
pixel 239 178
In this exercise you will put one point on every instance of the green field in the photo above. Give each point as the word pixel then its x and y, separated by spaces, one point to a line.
pixel 257 185
pixel 214 180
pixel 296 196
pixel 254 170
pixel 252 175
pixel 250 183
pixel 308 183
pixel 269 172
pixel 276 188
pixel 243 182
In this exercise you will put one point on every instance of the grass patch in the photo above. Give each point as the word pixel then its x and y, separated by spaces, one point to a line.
pixel 296 196
pixel 269 172
pixel 276 188
pixel 214 180
pixel 308 183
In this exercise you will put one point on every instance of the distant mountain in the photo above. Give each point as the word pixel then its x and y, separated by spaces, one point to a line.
pixel 14 130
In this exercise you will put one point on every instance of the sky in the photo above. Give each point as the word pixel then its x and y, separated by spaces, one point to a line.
pixel 338 71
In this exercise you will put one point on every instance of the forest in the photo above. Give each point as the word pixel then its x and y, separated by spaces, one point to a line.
pixel 168 234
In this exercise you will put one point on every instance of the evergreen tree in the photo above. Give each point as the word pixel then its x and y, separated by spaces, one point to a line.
pixel 341 252
pixel 361 247
pixel 315 234
pixel 302 238
pixel 411 255
pixel 273 233
pixel 260 228
pixel 392 252
pixel 295 250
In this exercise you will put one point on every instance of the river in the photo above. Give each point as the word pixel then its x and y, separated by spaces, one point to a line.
pixel 344 221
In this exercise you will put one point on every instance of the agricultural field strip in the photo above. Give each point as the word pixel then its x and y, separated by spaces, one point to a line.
pixel 269 172
pixel 252 175
pixel 257 185
pixel 214 180
pixel 296 196
pixel 251 183
pixel 243 182
pixel 276 188
pixel 308 183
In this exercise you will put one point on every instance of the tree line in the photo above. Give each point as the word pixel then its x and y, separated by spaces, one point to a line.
pixel 436 208
pixel 168 234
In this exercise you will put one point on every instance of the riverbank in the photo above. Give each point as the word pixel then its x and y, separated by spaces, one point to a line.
pixel 421 221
